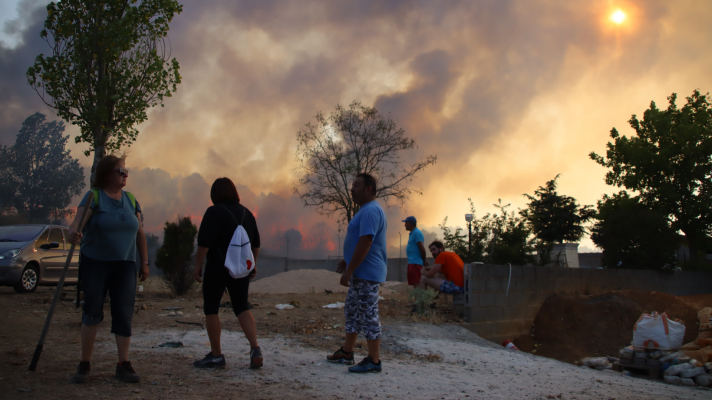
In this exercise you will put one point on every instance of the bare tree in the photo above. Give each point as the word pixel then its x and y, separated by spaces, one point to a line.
pixel 333 150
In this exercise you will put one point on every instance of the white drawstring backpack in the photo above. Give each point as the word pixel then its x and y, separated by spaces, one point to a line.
pixel 239 259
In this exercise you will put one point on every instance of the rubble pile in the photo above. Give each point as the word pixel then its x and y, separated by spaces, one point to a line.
pixel 688 373
pixel 570 328
pixel 684 365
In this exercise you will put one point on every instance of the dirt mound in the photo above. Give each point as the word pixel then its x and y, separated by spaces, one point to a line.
pixel 299 281
pixel 698 301
pixel 569 328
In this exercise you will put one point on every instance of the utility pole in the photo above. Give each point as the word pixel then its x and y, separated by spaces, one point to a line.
pixel 286 262
pixel 469 218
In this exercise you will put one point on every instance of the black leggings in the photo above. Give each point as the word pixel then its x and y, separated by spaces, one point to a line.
pixel 215 281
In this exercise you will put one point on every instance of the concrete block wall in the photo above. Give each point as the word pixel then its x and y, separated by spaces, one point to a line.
pixel 496 315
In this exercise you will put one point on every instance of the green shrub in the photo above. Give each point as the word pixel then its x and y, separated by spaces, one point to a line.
pixel 422 299
pixel 175 257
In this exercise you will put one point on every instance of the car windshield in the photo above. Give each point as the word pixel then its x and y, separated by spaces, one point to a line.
pixel 19 233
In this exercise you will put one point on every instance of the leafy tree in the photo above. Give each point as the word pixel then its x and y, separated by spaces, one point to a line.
pixel 632 235
pixel 291 240
pixel 669 163
pixel 152 241
pixel 455 240
pixel 333 150
pixel 109 63
pixel 38 176
pixel 499 238
pixel 512 243
pixel 555 218
pixel 174 258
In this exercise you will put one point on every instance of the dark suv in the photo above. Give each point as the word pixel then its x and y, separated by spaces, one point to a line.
pixel 32 255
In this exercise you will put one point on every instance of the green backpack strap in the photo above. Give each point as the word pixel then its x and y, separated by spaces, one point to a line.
pixel 133 199
pixel 96 198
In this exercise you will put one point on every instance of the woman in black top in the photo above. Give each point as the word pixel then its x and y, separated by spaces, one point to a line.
pixel 216 230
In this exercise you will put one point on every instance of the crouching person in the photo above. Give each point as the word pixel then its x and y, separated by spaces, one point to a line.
pixel 363 268
pixel 447 273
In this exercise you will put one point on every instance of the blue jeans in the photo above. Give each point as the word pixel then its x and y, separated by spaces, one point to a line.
pixel 118 278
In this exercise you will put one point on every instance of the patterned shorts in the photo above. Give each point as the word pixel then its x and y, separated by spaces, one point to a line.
pixel 448 287
pixel 361 309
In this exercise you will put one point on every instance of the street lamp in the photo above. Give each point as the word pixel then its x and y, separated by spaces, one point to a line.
pixel 469 218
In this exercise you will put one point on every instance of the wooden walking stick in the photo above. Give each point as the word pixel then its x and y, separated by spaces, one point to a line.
pixel 60 284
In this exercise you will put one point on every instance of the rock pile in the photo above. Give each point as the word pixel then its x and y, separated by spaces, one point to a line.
pixel 688 365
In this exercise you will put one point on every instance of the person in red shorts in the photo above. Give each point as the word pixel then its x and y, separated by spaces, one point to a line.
pixel 415 250
pixel 447 273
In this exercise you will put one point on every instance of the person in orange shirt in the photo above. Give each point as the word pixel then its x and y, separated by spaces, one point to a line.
pixel 447 274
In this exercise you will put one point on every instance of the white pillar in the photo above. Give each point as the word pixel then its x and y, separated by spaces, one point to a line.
pixel 567 254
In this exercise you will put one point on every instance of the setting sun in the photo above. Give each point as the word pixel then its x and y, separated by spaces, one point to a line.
pixel 618 17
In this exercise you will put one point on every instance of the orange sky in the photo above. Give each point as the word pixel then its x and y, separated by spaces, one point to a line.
pixel 506 94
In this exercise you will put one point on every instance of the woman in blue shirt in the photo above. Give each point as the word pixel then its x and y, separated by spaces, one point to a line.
pixel 109 241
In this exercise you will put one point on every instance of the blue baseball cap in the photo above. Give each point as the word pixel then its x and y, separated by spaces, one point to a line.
pixel 410 219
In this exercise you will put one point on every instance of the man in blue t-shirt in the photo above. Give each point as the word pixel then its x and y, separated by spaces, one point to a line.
pixel 415 250
pixel 363 269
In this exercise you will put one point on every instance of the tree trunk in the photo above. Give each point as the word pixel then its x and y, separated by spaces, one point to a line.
pixel 692 248
pixel 99 152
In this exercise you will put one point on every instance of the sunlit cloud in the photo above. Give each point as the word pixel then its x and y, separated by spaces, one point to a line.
pixel 618 17
pixel 507 94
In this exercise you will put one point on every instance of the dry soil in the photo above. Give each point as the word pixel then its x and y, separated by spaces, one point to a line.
pixel 422 360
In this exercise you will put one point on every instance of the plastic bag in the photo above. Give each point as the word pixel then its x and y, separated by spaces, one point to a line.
pixel 677 369
pixel 284 306
pixel 627 352
pixel 594 362
pixel 657 331
pixel 692 372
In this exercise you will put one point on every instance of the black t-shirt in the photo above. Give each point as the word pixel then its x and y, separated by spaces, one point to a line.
pixel 217 228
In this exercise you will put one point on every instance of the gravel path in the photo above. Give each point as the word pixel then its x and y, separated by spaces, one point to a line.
pixel 467 367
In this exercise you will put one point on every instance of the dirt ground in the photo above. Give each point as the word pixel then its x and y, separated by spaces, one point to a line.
pixel 434 357
pixel 699 301
pixel 569 328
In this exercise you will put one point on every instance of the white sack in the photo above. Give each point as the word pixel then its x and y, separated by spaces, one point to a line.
pixel 657 331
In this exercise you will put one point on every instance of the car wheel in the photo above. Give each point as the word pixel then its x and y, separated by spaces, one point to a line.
pixel 28 280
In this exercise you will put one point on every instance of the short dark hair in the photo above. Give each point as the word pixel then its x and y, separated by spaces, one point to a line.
pixel 104 169
pixel 368 180
pixel 437 244
pixel 224 191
